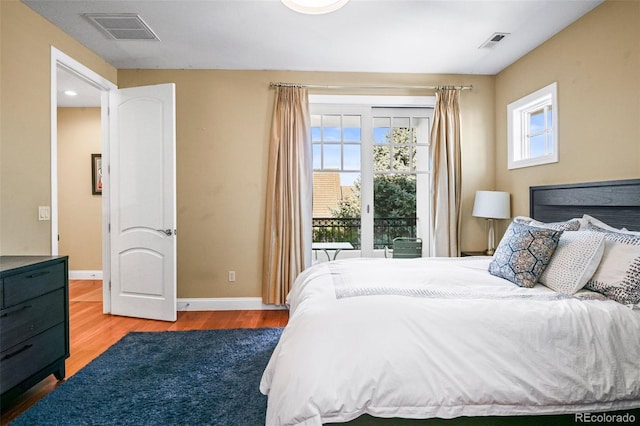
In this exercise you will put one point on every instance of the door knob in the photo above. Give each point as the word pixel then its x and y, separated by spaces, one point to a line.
pixel 168 232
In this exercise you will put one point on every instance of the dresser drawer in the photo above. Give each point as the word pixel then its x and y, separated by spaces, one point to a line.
pixel 20 322
pixel 31 356
pixel 33 283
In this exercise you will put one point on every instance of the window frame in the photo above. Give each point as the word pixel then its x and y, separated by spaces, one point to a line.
pixel 518 136
pixel 365 106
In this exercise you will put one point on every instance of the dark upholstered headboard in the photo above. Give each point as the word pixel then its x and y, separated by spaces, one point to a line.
pixel 617 203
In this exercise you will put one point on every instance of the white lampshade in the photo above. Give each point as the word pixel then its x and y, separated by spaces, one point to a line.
pixel 492 205
pixel 314 7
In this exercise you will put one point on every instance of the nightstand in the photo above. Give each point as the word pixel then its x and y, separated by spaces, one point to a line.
pixel 466 253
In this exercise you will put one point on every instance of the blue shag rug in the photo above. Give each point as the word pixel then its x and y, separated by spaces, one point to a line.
pixel 200 377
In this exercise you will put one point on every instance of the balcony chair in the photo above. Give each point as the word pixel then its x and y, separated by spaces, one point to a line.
pixel 405 248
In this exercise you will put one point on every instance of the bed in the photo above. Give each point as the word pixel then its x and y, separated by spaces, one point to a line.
pixel 444 338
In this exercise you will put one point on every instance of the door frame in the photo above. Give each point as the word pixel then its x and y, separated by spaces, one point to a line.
pixel 370 101
pixel 58 58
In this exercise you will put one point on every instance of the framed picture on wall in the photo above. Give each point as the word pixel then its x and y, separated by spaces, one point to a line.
pixel 96 174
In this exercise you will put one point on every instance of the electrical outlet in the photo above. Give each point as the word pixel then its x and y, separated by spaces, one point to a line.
pixel 232 276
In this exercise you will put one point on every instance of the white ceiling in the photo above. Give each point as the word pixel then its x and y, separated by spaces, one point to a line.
pixel 404 36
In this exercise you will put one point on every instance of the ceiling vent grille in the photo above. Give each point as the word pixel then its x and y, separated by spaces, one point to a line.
pixel 493 40
pixel 122 26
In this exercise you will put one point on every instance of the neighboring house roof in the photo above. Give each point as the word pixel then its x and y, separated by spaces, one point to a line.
pixel 327 192
pixel 347 192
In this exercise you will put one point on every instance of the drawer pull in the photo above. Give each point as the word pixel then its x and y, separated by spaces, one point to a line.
pixel 11 355
pixel 38 274
pixel 9 311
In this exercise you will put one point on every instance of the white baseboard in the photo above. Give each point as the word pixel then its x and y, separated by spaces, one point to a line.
pixel 199 304
pixel 226 304
pixel 85 275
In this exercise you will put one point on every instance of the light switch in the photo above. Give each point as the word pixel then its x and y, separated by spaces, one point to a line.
pixel 44 213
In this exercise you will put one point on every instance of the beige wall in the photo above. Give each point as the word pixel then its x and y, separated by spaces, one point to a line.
pixel 79 211
pixel 25 159
pixel 223 120
pixel 596 62
pixel 223 124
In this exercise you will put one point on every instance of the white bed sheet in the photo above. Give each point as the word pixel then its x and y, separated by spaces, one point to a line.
pixel 438 345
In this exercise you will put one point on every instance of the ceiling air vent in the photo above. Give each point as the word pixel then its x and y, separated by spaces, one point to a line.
pixel 493 40
pixel 122 26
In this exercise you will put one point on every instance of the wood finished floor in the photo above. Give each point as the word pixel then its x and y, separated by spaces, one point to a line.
pixel 92 332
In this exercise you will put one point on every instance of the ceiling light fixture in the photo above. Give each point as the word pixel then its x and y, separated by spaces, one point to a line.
pixel 314 7
pixel 70 93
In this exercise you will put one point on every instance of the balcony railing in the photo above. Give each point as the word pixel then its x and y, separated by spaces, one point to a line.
pixel 385 229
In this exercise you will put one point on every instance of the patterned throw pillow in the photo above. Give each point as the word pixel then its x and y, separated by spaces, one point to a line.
pixel 618 275
pixel 567 225
pixel 523 253
pixel 574 262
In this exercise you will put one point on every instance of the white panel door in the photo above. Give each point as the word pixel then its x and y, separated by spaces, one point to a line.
pixel 142 194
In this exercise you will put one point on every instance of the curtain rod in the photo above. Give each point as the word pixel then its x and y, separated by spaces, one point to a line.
pixel 328 86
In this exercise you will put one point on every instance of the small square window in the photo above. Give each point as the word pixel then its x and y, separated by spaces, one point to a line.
pixel 533 129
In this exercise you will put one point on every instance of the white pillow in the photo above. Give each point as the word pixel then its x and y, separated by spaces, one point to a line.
pixel 575 260
pixel 586 220
pixel 590 220
pixel 618 275
pixel 567 225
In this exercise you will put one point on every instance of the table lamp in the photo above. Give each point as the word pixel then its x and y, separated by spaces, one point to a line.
pixel 492 205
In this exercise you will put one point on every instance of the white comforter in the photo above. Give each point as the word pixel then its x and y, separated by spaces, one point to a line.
pixel 420 338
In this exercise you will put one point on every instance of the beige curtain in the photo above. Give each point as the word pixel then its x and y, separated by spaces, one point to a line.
pixel 287 237
pixel 446 170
